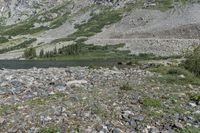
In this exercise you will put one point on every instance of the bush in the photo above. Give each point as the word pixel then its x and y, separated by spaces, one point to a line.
pixel 41 52
pixel 3 40
pixel 195 98
pixel 30 53
pixel 126 87
pixel 192 62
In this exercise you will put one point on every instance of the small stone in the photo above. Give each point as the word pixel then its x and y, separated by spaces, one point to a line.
pixel 133 124
pixel 182 76
pixel 2 121
pixel 192 104
pixel 116 130
pixel 178 125
pixel 139 117
pixel 52 93
pixel 154 130
pixel 190 86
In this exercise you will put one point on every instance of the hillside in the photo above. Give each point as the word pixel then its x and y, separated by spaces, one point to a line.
pixel 142 26
pixel 99 66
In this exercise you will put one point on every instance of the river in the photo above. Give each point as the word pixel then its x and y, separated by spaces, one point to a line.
pixel 26 64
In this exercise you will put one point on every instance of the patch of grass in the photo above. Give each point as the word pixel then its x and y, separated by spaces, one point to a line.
pixel 60 20
pixel 61 40
pixel 23 28
pixel 195 97
pixel 3 40
pixel 164 4
pixel 96 23
pixel 7 108
pixel 150 102
pixel 44 100
pixel 24 44
pixel 52 129
pixel 126 87
pixel 173 75
pixel 189 130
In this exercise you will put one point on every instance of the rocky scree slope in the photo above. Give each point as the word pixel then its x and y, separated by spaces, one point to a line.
pixel 81 99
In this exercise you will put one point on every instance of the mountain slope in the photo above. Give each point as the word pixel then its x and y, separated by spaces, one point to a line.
pixel 143 26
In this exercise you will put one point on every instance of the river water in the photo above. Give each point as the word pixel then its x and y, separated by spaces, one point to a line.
pixel 26 64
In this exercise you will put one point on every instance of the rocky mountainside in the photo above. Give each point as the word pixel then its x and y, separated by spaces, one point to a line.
pixel 143 26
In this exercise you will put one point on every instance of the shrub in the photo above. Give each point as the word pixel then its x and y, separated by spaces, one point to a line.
pixel 30 53
pixel 192 62
pixel 3 40
pixel 41 52
pixel 195 98
pixel 126 87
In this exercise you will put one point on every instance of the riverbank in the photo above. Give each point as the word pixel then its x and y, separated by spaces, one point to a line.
pixel 84 99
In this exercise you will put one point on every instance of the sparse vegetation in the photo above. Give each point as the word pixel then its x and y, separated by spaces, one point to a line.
pixel 51 129
pixel 24 44
pixel 27 27
pixel 96 23
pixel 150 102
pixel 192 62
pixel 175 75
pixel 164 4
pixel 189 130
pixel 7 108
pixel 126 87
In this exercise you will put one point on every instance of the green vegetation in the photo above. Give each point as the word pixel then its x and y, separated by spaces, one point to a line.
pixel 189 130
pixel 27 27
pixel 96 23
pixel 24 44
pixel 59 21
pixel 150 102
pixel 195 98
pixel 3 40
pixel 192 62
pixel 164 4
pixel 126 87
pixel 175 75
pixel 44 100
pixel 7 108
pixel 84 51
pixel 51 129
pixel 30 53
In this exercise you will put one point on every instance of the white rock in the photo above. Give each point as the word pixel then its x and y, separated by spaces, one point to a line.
pixel 192 104
pixel 74 82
